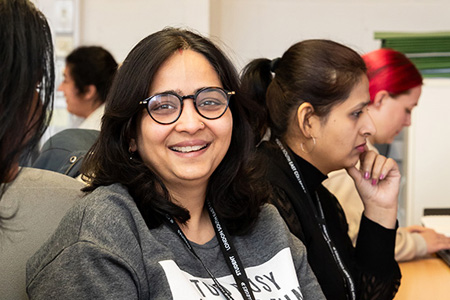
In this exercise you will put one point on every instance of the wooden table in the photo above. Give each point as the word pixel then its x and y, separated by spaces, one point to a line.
pixel 424 279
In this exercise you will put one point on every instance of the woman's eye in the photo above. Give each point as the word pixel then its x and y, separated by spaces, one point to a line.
pixel 163 107
pixel 356 114
pixel 209 102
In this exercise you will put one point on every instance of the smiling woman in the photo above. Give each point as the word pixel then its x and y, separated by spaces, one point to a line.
pixel 315 105
pixel 188 149
pixel 173 209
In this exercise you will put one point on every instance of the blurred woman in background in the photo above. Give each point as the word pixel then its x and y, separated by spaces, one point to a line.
pixel 88 76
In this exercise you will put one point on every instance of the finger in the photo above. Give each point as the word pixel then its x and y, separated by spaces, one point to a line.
pixel 388 166
pixel 367 161
pixel 355 174
pixel 416 228
pixel 377 168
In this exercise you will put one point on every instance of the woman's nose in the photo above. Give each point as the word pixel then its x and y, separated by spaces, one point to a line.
pixel 368 128
pixel 407 121
pixel 189 121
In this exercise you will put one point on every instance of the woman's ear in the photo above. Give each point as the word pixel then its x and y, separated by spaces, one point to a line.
pixel 133 145
pixel 379 97
pixel 90 92
pixel 305 114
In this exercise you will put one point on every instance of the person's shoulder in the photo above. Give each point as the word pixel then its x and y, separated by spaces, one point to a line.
pixel 105 211
pixel 39 190
pixel 44 179
pixel 270 221
pixel 270 233
pixel 106 205
pixel 107 218
pixel 269 213
pixel 64 151
pixel 71 139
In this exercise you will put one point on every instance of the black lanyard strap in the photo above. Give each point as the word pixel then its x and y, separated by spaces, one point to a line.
pixel 174 226
pixel 320 217
pixel 231 257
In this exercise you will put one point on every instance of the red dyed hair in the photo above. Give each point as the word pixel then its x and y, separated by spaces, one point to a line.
pixel 391 71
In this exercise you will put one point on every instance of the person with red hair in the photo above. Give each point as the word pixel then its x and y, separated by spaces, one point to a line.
pixel 395 86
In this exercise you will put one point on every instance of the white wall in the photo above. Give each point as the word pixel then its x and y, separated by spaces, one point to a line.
pixel 428 138
pixel 118 25
pixel 254 28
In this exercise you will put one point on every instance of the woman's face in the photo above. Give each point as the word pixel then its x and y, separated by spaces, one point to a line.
pixel 190 149
pixel 392 114
pixel 76 104
pixel 341 138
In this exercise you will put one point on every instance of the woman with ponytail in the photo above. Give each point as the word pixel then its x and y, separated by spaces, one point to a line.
pixel 314 101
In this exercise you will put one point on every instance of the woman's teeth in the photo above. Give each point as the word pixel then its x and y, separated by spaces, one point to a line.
pixel 188 149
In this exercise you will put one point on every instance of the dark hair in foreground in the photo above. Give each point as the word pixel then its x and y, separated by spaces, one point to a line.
pixel 26 66
pixel 320 72
pixel 231 188
pixel 92 65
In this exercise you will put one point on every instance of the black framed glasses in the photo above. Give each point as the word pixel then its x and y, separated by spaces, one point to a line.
pixel 166 108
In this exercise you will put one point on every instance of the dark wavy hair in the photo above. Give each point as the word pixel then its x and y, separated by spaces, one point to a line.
pixel 231 189
pixel 27 72
pixel 321 72
pixel 92 65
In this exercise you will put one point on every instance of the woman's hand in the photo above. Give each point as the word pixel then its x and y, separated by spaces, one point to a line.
pixel 435 241
pixel 377 182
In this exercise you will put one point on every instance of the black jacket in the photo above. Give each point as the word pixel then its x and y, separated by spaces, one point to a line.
pixel 370 264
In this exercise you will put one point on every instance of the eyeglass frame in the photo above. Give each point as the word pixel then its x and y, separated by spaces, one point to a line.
pixel 193 97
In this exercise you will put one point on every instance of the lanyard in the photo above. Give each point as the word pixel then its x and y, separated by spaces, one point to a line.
pixel 320 217
pixel 229 252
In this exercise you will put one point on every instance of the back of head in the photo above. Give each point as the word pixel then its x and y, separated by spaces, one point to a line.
pixel 391 71
pixel 320 72
pixel 92 65
pixel 27 80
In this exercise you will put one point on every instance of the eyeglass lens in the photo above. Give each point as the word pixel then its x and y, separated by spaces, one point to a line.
pixel 210 103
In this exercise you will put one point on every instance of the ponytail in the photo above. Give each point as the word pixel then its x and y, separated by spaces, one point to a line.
pixel 255 79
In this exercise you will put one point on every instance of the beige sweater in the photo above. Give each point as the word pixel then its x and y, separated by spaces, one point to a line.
pixel 407 246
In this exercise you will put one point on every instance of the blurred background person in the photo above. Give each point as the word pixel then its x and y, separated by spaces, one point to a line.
pixel 88 74
pixel 395 86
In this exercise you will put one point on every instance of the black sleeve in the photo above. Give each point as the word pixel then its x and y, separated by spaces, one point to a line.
pixel 379 272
